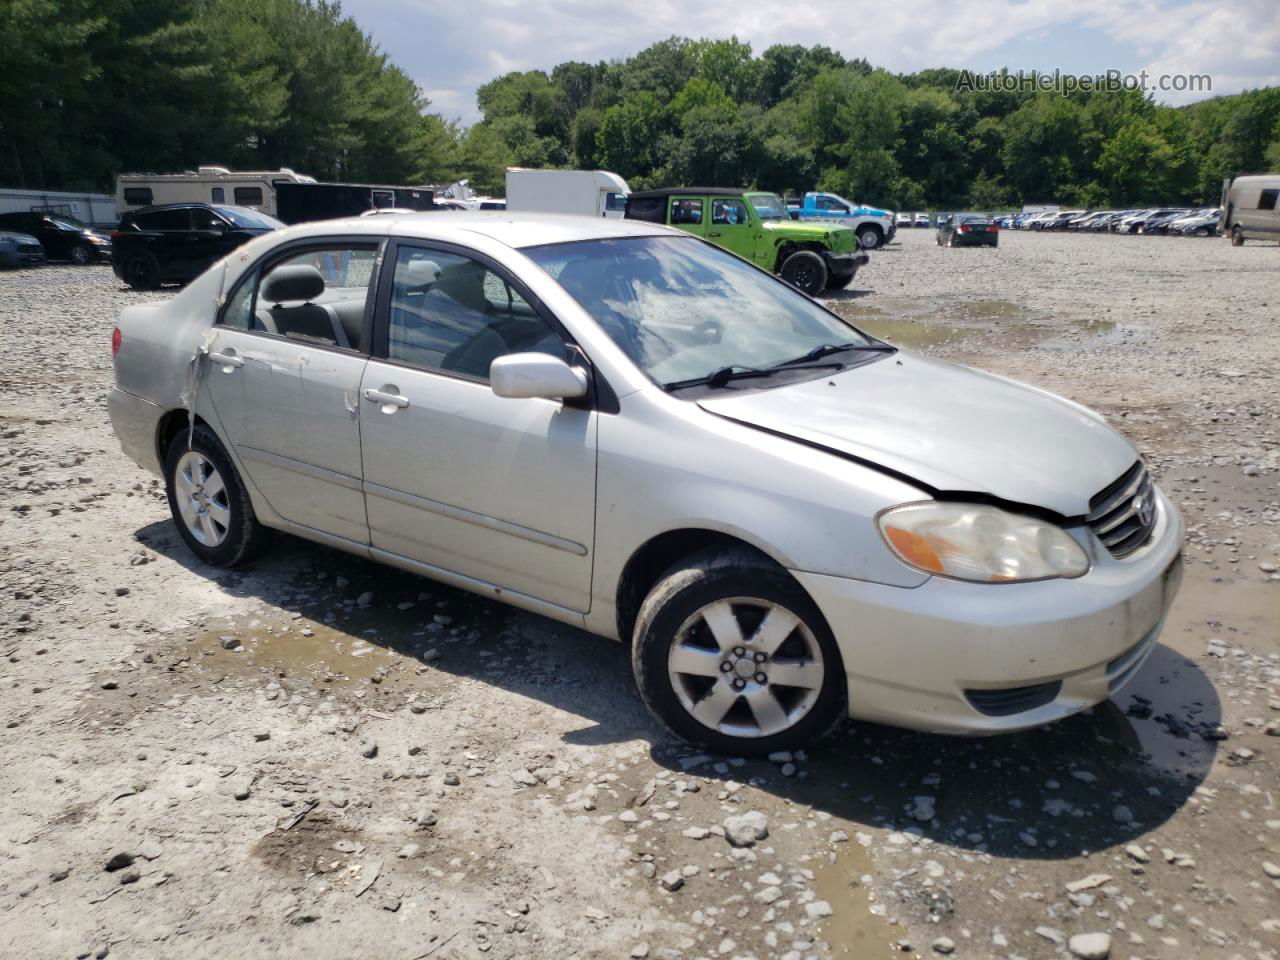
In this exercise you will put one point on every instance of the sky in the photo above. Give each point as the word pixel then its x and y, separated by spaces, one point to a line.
pixel 451 48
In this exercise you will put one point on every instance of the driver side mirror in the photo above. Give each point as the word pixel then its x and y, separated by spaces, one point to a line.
pixel 524 375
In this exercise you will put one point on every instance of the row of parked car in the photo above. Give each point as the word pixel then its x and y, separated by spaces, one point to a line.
pixel 31 238
pixel 1202 222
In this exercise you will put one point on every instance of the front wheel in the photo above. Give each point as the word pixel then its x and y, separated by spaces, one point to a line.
pixel 208 500
pixel 730 653
pixel 1237 237
pixel 81 255
pixel 806 271
pixel 870 238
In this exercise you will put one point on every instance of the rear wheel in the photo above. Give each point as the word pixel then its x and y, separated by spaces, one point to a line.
pixel 730 653
pixel 208 500
pixel 806 271
pixel 1237 237
pixel 81 255
pixel 142 272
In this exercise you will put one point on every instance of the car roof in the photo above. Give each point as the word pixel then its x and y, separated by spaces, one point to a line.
pixel 512 229
pixel 175 206
pixel 696 191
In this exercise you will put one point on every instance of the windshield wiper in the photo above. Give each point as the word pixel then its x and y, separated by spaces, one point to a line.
pixel 718 378
pixel 827 349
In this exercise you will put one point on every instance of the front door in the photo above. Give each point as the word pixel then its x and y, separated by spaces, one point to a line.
pixel 499 491
pixel 731 227
pixel 284 377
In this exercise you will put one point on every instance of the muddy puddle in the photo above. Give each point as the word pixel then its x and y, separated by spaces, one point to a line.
pixel 857 927
pixel 919 325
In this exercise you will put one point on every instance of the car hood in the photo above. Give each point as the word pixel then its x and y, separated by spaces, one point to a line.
pixel 948 427
pixel 799 228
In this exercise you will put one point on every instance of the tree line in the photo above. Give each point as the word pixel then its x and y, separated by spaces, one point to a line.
pixel 92 88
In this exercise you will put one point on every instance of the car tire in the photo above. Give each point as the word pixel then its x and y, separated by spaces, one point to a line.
pixel 81 255
pixel 219 527
pixel 753 602
pixel 1237 237
pixel 141 272
pixel 1202 231
pixel 870 238
pixel 806 271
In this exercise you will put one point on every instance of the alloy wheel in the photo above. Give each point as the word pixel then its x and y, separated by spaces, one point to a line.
pixel 202 498
pixel 80 255
pixel 746 667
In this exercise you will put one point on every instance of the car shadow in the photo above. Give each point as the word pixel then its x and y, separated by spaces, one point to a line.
pixel 1092 781
pixel 844 295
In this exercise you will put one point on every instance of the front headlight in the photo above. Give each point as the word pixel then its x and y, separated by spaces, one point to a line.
pixel 970 541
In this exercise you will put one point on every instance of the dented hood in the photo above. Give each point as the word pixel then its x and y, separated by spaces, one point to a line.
pixel 948 427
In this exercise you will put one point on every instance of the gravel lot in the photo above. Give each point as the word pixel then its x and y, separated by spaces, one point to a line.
pixel 316 756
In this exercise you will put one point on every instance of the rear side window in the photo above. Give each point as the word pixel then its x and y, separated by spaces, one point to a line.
pixel 1267 201
pixel 138 195
pixel 248 196
pixel 164 220
pixel 686 211
pixel 217 195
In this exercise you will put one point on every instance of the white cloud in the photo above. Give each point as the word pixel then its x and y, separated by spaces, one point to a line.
pixel 450 49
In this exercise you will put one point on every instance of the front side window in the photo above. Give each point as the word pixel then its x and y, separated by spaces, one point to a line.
pixel 728 213
pixel 250 219
pixel 686 212
pixel 1267 201
pixel 827 203
pixel 682 309
pixel 202 219
pixel 615 202
pixel 248 196
pixel 452 314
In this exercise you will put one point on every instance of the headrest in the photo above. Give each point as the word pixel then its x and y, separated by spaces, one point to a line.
pixel 419 273
pixel 297 282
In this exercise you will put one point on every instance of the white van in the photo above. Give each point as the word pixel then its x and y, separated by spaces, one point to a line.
pixel 252 188
pixel 1250 209
pixel 588 193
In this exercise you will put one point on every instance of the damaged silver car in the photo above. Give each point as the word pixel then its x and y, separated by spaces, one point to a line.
pixel 624 428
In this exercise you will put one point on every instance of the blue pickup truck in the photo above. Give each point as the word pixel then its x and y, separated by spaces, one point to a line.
pixel 873 226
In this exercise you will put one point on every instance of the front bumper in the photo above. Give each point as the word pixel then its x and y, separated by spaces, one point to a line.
pixel 1029 653
pixel 846 262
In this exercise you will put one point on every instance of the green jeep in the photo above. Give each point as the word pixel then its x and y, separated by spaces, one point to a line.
pixel 812 256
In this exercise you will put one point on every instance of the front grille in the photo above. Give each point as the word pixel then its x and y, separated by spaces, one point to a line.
pixel 1012 700
pixel 1124 513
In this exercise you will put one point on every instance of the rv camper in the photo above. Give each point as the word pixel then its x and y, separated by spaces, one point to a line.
pixel 588 193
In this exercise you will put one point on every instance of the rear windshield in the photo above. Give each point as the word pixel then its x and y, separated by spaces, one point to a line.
pixel 249 219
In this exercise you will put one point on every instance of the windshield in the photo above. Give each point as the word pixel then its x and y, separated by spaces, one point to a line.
pixel 249 219
pixel 682 309
pixel 768 206
pixel 69 223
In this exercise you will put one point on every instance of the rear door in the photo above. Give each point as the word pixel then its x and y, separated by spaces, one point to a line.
pixel 689 214
pixel 498 491
pixel 284 379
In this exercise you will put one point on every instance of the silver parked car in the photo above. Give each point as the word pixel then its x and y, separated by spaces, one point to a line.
pixel 627 429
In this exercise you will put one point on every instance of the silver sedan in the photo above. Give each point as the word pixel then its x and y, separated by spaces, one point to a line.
pixel 624 428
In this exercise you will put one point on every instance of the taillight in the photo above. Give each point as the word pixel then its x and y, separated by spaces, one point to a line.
pixel 117 338
pixel 994 228
pixel 964 228
pixel 116 234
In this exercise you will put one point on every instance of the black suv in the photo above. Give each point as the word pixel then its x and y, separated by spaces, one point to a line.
pixel 178 241
pixel 63 237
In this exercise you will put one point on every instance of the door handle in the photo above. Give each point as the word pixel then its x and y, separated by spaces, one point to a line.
pixel 227 361
pixel 716 234
pixel 388 397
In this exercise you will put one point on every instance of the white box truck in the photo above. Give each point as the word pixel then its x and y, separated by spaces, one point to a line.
pixel 587 193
